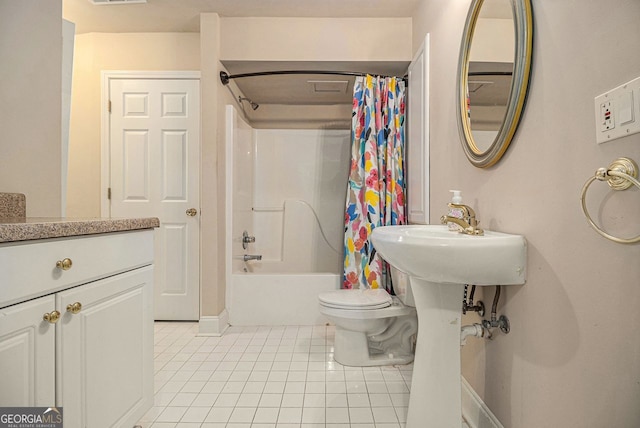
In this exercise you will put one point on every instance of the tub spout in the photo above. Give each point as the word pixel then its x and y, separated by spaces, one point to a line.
pixel 248 257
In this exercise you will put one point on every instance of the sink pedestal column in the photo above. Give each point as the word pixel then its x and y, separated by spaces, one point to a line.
pixel 435 400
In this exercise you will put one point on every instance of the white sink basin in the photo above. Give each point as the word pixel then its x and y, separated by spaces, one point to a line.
pixel 433 253
pixel 439 264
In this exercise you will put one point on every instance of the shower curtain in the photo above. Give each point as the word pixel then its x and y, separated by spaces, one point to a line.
pixel 376 189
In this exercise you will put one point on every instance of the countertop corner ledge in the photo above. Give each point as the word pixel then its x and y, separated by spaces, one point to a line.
pixel 25 229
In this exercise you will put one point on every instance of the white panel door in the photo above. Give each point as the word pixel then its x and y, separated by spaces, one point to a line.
pixel 154 151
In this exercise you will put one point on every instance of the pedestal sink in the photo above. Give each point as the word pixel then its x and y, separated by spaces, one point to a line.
pixel 439 263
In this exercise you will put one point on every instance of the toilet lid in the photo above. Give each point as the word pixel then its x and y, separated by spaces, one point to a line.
pixel 356 299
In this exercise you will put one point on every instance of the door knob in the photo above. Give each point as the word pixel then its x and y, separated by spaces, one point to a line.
pixel 246 239
pixel 192 212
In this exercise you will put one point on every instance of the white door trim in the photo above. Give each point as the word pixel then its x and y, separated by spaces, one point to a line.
pixel 105 158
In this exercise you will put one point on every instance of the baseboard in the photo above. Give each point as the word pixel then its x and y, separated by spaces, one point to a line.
pixel 474 411
pixel 213 326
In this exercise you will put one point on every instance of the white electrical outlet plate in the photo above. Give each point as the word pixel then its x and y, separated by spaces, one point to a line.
pixel 618 112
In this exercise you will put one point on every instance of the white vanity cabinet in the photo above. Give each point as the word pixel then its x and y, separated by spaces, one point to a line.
pixel 80 336
pixel 27 354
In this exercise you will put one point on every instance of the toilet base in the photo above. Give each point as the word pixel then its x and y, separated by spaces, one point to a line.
pixel 352 349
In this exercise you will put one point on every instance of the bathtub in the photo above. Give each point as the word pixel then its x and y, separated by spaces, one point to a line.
pixel 283 287
pixel 279 298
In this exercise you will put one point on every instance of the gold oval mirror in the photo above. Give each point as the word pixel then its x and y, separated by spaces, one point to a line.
pixel 493 76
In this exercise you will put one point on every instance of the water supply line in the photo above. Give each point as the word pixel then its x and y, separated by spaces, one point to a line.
pixel 468 305
pixel 483 330
pixel 503 321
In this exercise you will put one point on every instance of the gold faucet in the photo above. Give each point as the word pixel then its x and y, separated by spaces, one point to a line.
pixel 468 222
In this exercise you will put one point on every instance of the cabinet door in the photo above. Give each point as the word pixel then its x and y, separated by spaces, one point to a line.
pixel 105 351
pixel 27 355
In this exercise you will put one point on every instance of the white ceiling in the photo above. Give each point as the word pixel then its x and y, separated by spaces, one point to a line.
pixel 183 15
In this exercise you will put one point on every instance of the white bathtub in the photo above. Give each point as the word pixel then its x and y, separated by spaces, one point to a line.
pixel 279 298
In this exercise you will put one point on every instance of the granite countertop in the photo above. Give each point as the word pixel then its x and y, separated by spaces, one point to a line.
pixel 23 229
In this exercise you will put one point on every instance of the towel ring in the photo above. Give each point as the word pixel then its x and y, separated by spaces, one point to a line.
pixel 620 175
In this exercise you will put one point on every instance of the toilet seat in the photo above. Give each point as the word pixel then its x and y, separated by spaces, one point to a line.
pixel 358 299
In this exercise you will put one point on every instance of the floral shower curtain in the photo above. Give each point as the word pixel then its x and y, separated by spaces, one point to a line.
pixel 376 190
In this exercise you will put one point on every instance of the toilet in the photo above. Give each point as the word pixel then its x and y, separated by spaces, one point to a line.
pixel 373 328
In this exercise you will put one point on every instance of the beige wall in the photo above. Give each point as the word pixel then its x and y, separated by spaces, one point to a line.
pixel 30 112
pixel 95 52
pixel 572 358
pixel 315 39
pixel 212 218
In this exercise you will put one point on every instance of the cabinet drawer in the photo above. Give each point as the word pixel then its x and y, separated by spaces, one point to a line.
pixel 28 269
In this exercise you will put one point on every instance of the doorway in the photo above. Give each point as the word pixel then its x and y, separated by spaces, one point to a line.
pixel 152 167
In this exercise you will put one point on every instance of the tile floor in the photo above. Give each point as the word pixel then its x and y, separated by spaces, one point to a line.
pixel 269 377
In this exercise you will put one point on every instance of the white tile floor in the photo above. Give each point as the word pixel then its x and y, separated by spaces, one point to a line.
pixel 269 377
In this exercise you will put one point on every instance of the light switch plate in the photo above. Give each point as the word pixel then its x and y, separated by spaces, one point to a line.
pixel 618 112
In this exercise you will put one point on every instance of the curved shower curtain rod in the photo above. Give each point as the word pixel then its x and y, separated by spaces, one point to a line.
pixel 226 77
pixel 490 73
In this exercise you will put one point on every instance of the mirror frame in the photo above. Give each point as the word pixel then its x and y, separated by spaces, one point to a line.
pixel 523 23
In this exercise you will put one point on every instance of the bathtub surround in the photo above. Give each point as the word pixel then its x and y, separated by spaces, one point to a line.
pixel 286 188
pixel 298 199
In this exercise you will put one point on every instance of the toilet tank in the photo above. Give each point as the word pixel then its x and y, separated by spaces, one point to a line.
pixel 402 287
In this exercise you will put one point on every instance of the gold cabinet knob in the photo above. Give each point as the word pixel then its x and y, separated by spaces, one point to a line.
pixel 51 317
pixel 74 308
pixel 192 212
pixel 64 264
